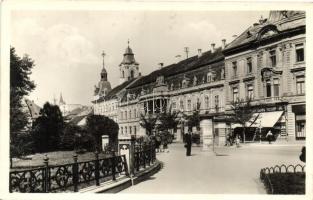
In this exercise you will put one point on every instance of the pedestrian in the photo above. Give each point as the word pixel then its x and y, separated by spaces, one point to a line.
pixel 237 140
pixel 269 136
pixel 188 143
pixel 165 147
pixel 157 143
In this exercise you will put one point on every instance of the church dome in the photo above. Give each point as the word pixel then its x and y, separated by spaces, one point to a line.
pixel 128 51
pixel 129 57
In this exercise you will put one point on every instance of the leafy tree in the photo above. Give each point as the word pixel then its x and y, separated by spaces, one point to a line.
pixel 148 122
pixel 71 135
pixel 194 118
pixel 20 86
pixel 168 119
pixel 98 125
pixel 243 114
pixel 48 128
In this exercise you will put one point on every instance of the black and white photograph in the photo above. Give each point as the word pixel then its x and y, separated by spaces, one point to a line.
pixel 156 100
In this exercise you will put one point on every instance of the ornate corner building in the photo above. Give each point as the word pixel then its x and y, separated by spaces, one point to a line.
pixel 266 62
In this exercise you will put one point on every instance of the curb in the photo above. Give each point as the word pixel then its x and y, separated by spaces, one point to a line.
pixel 123 182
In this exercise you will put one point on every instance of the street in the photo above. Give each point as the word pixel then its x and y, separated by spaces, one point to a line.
pixel 230 171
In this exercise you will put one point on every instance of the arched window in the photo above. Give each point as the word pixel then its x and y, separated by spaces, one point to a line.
pixel 122 130
pixel 123 74
pixel 135 113
pixel 130 114
pixel 131 74
pixel 189 104
pixel 209 77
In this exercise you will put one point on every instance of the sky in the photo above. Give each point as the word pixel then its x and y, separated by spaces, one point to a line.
pixel 67 45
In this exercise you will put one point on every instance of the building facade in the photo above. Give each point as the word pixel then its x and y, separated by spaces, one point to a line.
pixel 266 63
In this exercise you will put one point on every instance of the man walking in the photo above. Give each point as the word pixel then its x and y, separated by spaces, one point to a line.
pixel 188 143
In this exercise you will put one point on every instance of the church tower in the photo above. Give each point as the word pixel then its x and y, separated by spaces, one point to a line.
pixel 104 85
pixel 129 68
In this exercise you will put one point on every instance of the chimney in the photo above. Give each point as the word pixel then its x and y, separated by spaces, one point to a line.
pixel 161 65
pixel 223 43
pixel 199 53
pixel 212 47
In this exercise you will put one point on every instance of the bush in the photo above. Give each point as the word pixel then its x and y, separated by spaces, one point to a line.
pixel 288 183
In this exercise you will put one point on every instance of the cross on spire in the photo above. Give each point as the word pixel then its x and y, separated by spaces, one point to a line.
pixel 103 54
pixel 128 42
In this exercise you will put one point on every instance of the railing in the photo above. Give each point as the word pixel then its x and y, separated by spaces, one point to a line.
pixel 68 176
pixel 265 172
pixel 143 157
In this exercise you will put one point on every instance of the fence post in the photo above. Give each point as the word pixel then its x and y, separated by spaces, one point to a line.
pixel 97 168
pixel 47 178
pixel 113 167
pixel 75 173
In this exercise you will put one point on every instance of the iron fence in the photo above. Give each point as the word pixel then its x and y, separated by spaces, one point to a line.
pixel 265 172
pixel 144 157
pixel 63 177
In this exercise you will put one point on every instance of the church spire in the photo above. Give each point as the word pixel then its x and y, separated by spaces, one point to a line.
pixel 103 54
pixel 61 102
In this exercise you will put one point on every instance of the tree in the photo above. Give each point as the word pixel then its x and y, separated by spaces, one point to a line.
pixel 193 120
pixel 148 122
pixel 98 125
pixel 48 128
pixel 243 114
pixel 169 119
pixel 20 86
pixel 69 139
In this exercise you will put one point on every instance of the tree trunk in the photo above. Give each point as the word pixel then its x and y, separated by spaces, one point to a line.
pixel 244 135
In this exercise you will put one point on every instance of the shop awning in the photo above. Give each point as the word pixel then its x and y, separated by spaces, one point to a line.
pixel 265 119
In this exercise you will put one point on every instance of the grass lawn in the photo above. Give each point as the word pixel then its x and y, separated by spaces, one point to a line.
pixel 55 158
pixel 288 183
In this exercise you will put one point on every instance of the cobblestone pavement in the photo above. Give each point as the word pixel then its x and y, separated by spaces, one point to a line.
pixel 229 171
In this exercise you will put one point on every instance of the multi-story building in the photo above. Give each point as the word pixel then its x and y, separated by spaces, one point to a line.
pixel 267 63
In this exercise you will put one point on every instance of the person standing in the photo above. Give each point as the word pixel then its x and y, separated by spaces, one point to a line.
pixel 188 143
pixel 269 136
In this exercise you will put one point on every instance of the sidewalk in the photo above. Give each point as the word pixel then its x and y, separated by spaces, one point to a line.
pixel 230 171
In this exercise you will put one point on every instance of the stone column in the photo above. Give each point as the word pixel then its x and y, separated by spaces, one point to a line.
pixel 206 126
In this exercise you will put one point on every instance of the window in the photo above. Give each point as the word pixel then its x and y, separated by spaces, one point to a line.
pixel 121 115
pixel 209 77
pixel 217 102
pixel 135 130
pixel 273 58
pixel 135 113
pixel 122 130
pixel 174 105
pixel 130 114
pixel 250 91
pixel 268 88
pixel 249 65
pixel 299 53
pixel 189 104
pixel 125 114
pixel 234 68
pixel 130 130
pixel 125 130
pixel 206 102
pixel 181 104
pixel 300 85
pixel 276 87
pixel 235 94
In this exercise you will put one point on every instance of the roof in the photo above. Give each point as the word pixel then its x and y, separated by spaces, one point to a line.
pixel 181 67
pixel 117 89
pixel 129 57
pixel 33 108
pixel 253 33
